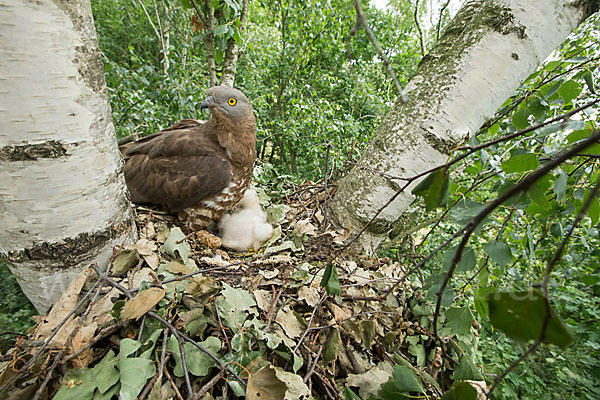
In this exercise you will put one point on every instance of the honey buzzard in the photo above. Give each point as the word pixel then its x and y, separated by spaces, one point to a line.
pixel 194 168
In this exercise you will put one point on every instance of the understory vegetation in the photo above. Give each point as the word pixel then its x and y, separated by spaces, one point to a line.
pixel 316 91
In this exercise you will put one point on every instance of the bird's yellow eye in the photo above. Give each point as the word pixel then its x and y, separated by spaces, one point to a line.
pixel 232 101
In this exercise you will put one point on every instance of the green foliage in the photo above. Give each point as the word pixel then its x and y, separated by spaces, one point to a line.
pixel 514 245
pixel 330 280
pixel 15 309
pixel 522 316
pixel 307 93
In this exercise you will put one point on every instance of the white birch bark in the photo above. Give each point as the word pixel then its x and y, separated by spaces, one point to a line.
pixel 62 194
pixel 486 52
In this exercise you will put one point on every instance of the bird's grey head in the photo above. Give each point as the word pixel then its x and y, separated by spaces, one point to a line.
pixel 227 102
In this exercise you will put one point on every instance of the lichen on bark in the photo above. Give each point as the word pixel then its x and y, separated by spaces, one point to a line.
pixel 87 56
pixel 71 251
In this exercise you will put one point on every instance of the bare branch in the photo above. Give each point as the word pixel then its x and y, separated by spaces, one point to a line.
pixel 418 25
pixel 361 20
pixel 439 24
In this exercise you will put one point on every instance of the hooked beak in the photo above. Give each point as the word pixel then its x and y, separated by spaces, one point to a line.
pixel 207 103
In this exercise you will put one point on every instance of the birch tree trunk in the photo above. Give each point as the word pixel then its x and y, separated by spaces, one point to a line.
pixel 233 50
pixel 488 49
pixel 62 194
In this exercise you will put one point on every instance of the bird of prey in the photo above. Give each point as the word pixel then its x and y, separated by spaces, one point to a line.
pixel 196 169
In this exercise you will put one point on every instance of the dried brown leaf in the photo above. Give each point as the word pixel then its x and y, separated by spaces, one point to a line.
pixel 65 304
pixel 80 340
pixel 141 303
pixel 175 267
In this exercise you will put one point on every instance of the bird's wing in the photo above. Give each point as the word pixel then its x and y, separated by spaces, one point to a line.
pixel 129 148
pixel 176 168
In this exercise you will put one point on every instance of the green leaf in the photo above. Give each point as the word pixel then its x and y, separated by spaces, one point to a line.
pixel 124 262
pixel 499 252
pixel 221 30
pixel 536 192
pixel 578 135
pixel 538 108
pixel 461 391
pixel 553 89
pixel 467 370
pixel 594 210
pixel 276 213
pixel 467 260
pixel 459 320
pixel 589 80
pixel 481 305
pixel 78 384
pixel 348 394
pixel 198 362
pixel 520 117
pixel 520 163
pixel 332 349
pixel 465 210
pixel 135 371
pixel 235 306
pixel 330 280
pixel 569 90
pixel 406 380
pixel 106 374
pixel 176 243
pixel 560 186
pixel 434 189
pixel 520 315
pixel 418 350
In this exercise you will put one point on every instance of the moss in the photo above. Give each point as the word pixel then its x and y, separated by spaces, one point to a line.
pixel 28 152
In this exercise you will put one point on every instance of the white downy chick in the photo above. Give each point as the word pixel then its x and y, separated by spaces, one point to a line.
pixel 246 228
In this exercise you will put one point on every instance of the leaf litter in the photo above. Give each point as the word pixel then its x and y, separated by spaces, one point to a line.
pixel 293 320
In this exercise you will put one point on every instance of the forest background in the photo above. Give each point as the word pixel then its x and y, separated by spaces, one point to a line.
pixel 315 89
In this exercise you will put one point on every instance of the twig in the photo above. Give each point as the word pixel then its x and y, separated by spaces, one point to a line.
pixel 215 379
pixel 163 359
pixel 221 326
pixel 312 316
pixel 324 224
pixel 48 340
pixel 271 314
pixel 311 370
pixel 361 20
pixel 173 385
pixel 416 16
pixel 186 374
pixel 470 150
pixel 174 330
pixel 439 24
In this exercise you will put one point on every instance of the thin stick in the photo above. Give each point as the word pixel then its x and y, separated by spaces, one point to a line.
pixel 416 16
pixel 174 330
pixel 324 225
pixel 173 385
pixel 361 20
pixel 209 385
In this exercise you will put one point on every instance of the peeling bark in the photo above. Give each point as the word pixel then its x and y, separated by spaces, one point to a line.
pixel 485 53
pixel 62 194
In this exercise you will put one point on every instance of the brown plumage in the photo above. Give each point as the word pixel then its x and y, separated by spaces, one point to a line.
pixel 195 168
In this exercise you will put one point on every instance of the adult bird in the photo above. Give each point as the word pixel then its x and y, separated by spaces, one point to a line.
pixel 196 169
